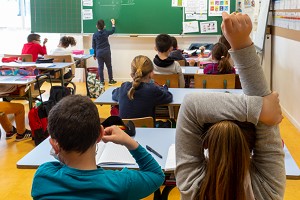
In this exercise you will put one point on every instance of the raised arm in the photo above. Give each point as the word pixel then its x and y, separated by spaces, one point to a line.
pixel 267 170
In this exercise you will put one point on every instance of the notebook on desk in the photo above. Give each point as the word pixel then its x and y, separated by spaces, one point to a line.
pixel 171 159
pixel 113 154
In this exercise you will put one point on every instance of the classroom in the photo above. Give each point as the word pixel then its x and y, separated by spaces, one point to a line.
pixel 135 35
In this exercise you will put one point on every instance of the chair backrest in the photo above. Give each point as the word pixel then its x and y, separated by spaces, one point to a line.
pixel 218 81
pixel 25 57
pixel 181 62
pixel 141 122
pixel 59 58
pixel 171 80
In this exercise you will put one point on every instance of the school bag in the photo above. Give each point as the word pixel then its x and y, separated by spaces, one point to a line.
pixel 93 85
pixel 38 115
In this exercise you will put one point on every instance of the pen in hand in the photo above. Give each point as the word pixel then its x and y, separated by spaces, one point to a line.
pixel 153 151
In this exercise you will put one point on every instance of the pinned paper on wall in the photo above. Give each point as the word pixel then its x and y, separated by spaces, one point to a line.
pixel 176 3
pixel 87 2
pixel 209 27
pixel 216 7
pixel 196 16
pixel 196 6
pixel 87 14
pixel 190 27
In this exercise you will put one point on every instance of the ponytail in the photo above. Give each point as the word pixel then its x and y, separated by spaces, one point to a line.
pixel 220 53
pixel 227 165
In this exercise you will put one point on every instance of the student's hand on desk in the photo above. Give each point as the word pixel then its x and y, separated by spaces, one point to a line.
pixel 118 136
pixel 45 41
pixel 271 111
pixel 236 28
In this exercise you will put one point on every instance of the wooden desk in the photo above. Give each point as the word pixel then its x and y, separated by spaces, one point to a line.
pixel 19 80
pixel 43 66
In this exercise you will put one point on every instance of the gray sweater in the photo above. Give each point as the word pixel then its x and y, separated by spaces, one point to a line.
pixel 267 171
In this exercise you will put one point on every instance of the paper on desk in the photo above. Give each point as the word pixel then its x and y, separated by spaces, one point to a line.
pixel 189 51
pixel 171 159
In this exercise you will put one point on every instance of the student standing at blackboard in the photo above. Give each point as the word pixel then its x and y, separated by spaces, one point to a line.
pixel 162 63
pixel 102 50
pixel 34 47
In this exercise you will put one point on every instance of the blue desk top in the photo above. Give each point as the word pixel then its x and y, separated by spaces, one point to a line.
pixel 178 95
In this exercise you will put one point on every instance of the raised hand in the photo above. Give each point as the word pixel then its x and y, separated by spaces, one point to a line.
pixel 237 27
pixel 113 21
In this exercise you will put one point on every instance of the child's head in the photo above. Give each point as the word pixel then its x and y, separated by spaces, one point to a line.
pixel 74 123
pixel 141 69
pixel 65 41
pixel 163 43
pixel 220 53
pixel 174 42
pixel 229 145
pixel 33 37
pixel 100 24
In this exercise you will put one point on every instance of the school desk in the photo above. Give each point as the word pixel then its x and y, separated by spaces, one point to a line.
pixel 19 80
pixel 57 66
pixel 160 139
pixel 178 95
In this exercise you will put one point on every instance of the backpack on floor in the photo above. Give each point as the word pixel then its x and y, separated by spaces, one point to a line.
pixel 93 85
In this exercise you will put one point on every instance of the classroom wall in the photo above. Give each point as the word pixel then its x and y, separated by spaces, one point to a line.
pixel 286 76
pixel 125 48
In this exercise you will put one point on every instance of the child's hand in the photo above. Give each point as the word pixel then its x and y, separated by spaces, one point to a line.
pixel 45 41
pixel 113 21
pixel 116 135
pixel 271 111
pixel 236 28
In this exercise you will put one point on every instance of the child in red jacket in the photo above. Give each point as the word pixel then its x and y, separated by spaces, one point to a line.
pixel 34 47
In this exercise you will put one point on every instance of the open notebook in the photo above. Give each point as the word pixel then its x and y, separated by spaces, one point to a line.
pixel 171 159
pixel 113 154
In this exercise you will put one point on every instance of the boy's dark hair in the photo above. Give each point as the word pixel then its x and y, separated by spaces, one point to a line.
pixel 65 41
pixel 100 24
pixel 163 42
pixel 33 36
pixel 74 122
pixel 174 42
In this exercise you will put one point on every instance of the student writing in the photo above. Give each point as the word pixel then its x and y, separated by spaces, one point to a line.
pixel 233 169
pixel 75 129
pixel 140 97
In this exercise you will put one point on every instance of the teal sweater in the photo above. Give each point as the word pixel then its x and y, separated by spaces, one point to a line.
pixel 54 180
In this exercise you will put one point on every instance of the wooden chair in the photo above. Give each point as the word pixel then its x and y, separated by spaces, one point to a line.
pixel 138 122
pixel 141 122
pixel 181 62
pixel 25 57
pixel 64 58
pixel 171 80
pixel 219 81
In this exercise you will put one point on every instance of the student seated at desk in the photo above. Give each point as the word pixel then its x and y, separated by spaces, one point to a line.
pixel 162 63
pixel 19 112
pixel 34 47
pixel 61 49
pixel 75 129
pixel 221 64
pixel 239 164
pixel 176 53
pixel 140 97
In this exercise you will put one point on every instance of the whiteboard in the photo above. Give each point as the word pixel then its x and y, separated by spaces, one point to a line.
pixel 259 39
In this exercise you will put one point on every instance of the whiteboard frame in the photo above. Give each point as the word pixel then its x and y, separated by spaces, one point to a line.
pixel 260 34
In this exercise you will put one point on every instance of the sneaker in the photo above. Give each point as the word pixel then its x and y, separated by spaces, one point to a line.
pixel 112 82
pixel 25 135
pixel 102 83
pixel 10 134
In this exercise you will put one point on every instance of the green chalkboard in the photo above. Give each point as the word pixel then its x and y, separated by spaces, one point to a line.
pixel 56 16
pixel 136 16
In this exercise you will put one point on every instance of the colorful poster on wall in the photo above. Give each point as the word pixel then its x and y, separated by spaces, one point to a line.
pixel 209 27
pixel 216 7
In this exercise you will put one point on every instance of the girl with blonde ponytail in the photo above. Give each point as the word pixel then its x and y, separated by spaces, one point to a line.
pixel 140 97
pixel 219 155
